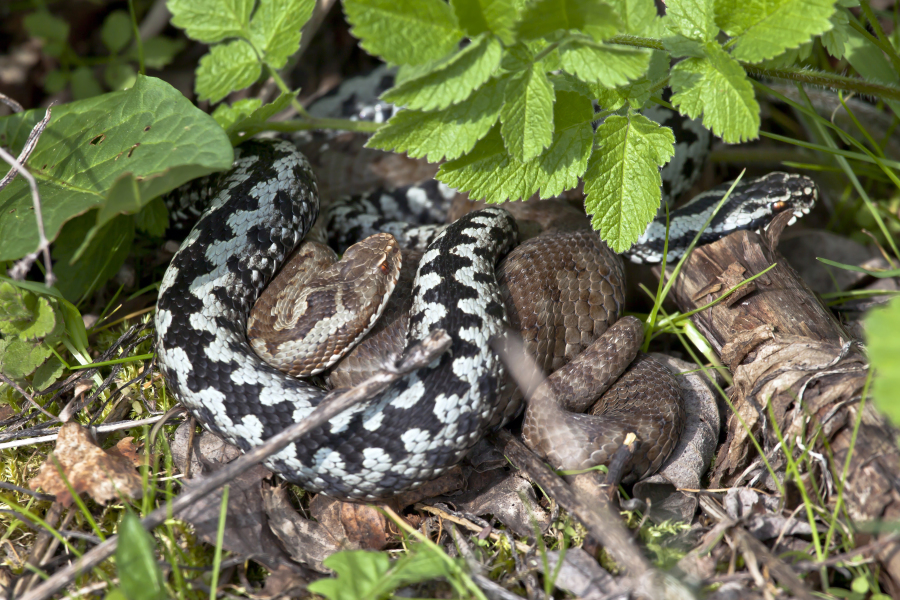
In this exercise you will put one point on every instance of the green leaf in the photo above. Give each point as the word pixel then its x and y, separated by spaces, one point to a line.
pixel 870 62
pixel 835 38
pixel 404 32
pixel 453 81
pixel 636 15
pixel 358 575
pixel 28 316
pixel 479 16
pixel 543 17
pixel 527 113
pixel 158 51
pixel 116 31
pixel 47 373
pixel 764 29
pixel 84 84
pixel 883 345
pixel 446 134
pixel 602 63
pixel 878 274
pixel 622 183
pixel 718 88
pixel 227 115
pixel 19 358
pixel 250 124
pixel 212 20
pixel 53 30
pixel 119 76
pixel 637 93
pixel 153 219
pixel 693 19
pixel 150 131
pixel 86 255
pixel 275 28
pixel 139 575
pixel 227 67
pixel 490 172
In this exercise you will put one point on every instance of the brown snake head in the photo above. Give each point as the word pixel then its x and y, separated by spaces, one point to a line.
pixel 313 311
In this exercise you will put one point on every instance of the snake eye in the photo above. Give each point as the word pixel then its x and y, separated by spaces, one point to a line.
pixel 779 206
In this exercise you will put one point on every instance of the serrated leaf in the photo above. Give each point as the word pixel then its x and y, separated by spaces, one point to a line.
pixel 116 31
pixel 19 359
pixel 636 15
pixel 228 114
pixel 451 82
pixel 150 131
pixel 883 345
pixel 253 123
pixel 211 20
pixel 275 28
pixel 445 134
pixel 527 114
pixel 139 576
pixel 693 19
pixel 718 88
pixel 637 93
pixel 543 17
pixel 603 63
pixel 28 316
pixel 489 172
pixel 227 67
pixel 835 38
pixel 73 320
pixel 479 16
pixel 764 29
pixel 622 182
pixel 47 373
pixel 404 32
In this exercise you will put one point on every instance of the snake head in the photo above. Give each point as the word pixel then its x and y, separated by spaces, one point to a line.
pixel 788 191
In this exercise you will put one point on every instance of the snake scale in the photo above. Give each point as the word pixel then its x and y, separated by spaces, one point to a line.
pixel 427 421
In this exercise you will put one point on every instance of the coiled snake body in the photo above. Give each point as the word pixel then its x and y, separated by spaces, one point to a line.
pixel 412 432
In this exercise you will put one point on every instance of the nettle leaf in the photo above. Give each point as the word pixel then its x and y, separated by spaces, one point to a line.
pixel 446 134
pixel 622 183
pixel 693 19
pixel 227 67
pixel 835 38
pixel 718 88
pixel 227 115
pixel 602 63
pixel 479 16
pixel 636 15
pixel 883 345
pixel 211 21
pixel 764 29
pixel 404 32
pixel 452 81
pixel 489 171
pixel 527 113
pixel 250 123
pixel 543 17
pixel 275 28
pixel 637 93
pixel 28 316
pixel 149 137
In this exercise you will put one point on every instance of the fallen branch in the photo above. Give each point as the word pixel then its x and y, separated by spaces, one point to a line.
pixel 332 405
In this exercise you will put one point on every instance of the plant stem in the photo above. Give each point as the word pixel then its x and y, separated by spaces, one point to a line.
pixel 838 82
pixel 313 123
pixel 885 43
pixel 285 90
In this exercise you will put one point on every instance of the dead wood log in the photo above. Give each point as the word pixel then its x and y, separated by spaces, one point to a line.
pixel 786 349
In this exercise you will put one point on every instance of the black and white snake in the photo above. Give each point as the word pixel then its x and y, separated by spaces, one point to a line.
pixel 426 422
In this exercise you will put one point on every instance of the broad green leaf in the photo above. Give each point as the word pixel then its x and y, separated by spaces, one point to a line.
pixel 445 134
pixel 764 29
pixel 251 124
pixel 84 84
pixel 53 30
pixel 870 62
pixel 47 373
pixel 602 63
pixel 158 51
pixel 543 17
pixel 74 322
pixel 404 32
pixel 150 131
pixel 227 67
pixel 453 81
pixel 153 218
pixel 28 316
pixel 883 345
pixel 637 93
pixel 359 573
pixel 489 172
pixel 139 576
pixel 86 255
pixel 527 113
pixel 212 20
pixel 479 16
pixel 693 19
pixel 275 28
pixel 20 358
pixel 718 88
pixel 622 183
pixel 636 15
pixel 116 31
pixel 119 76
pixel 835 38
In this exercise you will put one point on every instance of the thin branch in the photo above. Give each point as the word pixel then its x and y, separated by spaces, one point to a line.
pixel 332 405
pixel 99 429
pixel 25 395
pixel 21 268
pixel 15 106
